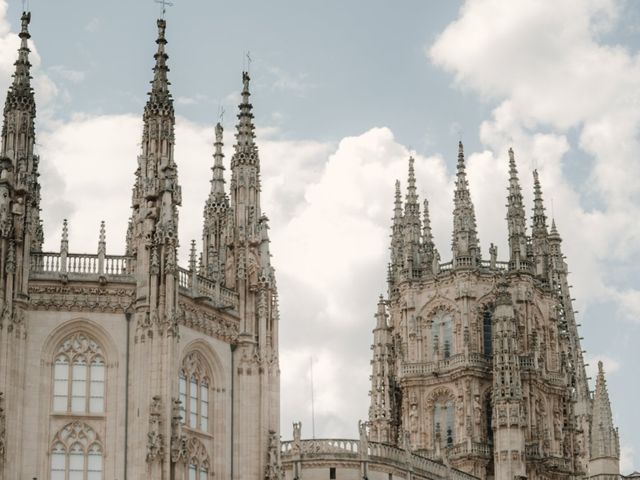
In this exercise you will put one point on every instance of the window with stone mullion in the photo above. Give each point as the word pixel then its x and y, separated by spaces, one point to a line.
pixel 194 400
pixel 79 377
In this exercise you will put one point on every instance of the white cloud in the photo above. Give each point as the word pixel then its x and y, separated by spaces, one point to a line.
pixel 546 73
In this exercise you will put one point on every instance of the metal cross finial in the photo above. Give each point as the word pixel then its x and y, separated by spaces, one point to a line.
pixel 221 113
pixel 164 3
pixel 248 55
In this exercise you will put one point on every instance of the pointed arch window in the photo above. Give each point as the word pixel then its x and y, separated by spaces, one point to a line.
pixel 76 454
pixel 194 387
pixel 79 376
pixel 442 335
pixel 443 414
pixel 198 465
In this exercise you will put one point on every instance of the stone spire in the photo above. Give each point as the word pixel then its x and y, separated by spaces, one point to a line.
pixel 411 226
pixel 248 271
pixel 429 252
pixel 508 414
pixel 539 234
pixel 395 266
pixel 20 190
pixel 156 197
pixel 245 167
pixel 216 212
pixel 465 244
pixel 516 219
pixel 604 442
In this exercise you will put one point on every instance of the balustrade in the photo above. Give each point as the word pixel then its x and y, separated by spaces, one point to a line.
pixel 79 264
pixel 421 463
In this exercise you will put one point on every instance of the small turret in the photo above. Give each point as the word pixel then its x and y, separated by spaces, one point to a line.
pixel 465 244
pixel 382 412
pixel 604 462
pixel 516 219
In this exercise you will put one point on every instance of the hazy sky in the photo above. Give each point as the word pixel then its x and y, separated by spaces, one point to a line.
pixel 343 93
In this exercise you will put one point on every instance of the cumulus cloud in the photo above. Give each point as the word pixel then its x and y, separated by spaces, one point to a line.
pixel 586 86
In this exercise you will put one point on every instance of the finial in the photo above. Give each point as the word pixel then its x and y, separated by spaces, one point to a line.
pixel 600 369
pixel 460 155
pixel 102 240
pixel 217 182
pixel 65 230
pixel 64 241
pixel 192 256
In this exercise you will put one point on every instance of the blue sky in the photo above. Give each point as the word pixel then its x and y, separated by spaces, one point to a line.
pixel 343 92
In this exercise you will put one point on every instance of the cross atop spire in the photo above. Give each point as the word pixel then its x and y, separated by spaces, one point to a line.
pixel 164 4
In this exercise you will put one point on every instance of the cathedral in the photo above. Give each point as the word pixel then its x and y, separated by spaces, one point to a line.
pixel 133 367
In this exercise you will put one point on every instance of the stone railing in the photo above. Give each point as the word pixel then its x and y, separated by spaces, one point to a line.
pixel 372 452
pixel 198 286
pixel 469 448
pixel 471 360
pixel 80 265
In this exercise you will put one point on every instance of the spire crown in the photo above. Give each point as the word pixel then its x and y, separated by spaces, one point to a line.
pixel 245 134
pixel 160 83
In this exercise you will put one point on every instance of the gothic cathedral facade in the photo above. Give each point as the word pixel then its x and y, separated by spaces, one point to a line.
pixel 130 366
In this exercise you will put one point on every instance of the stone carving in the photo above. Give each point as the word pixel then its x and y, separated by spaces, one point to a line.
pixel 3 432
pixel 79 298
pixel 155 448
pixel 274 468
pixel 178 439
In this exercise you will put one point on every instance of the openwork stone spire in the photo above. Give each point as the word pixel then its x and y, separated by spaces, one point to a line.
pixel 465 245
pixel 605 444
pixel 516 219
pixel 539 234
pixel 411 227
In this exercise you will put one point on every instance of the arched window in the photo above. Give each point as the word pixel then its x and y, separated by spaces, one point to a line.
pixel 487 330
pixel 443 417
pixel 194 387
pixel 79 376
pixel 442 335
pixel 76 454
pixel 198 464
